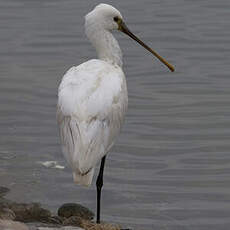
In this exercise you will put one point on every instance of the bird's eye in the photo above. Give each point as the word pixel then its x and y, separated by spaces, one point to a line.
pixel 116 19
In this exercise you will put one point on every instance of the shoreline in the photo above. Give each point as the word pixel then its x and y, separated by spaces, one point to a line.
pixel 32 216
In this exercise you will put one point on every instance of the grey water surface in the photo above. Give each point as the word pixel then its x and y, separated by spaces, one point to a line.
pixel 170 168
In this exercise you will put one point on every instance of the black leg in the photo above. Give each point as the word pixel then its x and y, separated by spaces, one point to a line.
pixel 99 184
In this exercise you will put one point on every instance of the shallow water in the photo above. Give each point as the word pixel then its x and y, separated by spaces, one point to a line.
pixel 170 168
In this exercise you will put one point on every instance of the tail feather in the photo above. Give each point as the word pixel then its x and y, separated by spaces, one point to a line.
pixel 85 179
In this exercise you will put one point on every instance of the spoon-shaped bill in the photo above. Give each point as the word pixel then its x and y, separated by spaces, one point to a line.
pixel 124 29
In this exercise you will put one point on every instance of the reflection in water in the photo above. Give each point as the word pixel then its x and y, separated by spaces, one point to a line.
pixel 170 167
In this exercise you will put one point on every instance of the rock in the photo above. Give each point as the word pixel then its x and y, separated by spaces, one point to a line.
pixel 12 225
pixel 29 212
pixel 3 191
pixel 32 212
pixel 6 213
pixel 72 209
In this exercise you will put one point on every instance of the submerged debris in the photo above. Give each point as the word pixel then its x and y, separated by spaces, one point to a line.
pixel 3 191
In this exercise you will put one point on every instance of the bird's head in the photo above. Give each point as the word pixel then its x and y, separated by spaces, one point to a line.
pixel 106 17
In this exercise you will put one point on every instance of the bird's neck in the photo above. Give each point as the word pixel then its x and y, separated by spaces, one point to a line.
pixel 106 45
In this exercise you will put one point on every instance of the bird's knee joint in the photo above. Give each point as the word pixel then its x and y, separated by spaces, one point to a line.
pixel 99 183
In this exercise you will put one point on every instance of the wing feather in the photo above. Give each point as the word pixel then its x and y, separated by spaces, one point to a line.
pixel 90 112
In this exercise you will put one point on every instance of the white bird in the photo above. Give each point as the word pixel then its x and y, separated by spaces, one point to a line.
pixel 92 99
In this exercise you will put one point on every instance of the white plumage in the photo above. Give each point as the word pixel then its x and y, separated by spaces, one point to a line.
pixel 92 100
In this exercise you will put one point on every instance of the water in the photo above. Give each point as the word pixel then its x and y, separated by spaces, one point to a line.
pixel 170 168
